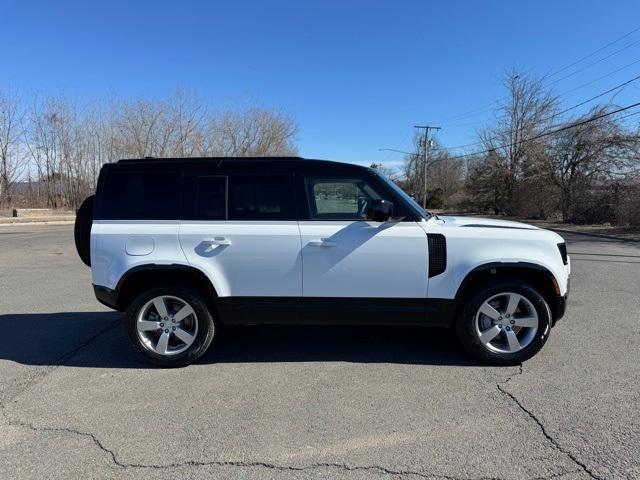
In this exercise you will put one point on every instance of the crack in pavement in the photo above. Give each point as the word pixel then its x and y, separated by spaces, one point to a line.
pixel 553 441
pixel 257 464
pixel 254 464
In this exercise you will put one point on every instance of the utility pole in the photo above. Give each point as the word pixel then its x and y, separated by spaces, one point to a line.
pixel 426 158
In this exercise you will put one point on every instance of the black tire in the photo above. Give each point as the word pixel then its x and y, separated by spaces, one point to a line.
pixel 82 229
pixel 466 322
pixel 206 326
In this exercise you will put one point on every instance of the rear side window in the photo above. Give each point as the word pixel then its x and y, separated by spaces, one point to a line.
pixel 260 198
pixel 140 195
pixel 211 200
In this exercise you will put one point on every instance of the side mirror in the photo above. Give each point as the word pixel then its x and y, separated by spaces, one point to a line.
pixel 380 210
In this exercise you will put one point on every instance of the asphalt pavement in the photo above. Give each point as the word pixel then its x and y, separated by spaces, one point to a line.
pixel 316 403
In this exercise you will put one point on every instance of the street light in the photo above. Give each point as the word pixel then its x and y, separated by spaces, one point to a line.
pixel 394 150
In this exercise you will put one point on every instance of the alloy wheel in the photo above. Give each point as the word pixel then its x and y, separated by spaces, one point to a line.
pixel 167 325
pixel 506 322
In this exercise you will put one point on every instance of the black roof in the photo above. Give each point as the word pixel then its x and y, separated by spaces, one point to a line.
pixel 222 161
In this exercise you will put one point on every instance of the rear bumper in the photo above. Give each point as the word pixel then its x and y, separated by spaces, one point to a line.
pixel 106 296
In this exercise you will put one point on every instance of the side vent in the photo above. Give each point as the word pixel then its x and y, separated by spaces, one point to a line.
pixel 437 254
pixel 563 252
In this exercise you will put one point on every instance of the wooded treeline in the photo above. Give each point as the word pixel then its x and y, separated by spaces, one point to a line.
pixel 51 149
pixel 535 160
pixel 538 160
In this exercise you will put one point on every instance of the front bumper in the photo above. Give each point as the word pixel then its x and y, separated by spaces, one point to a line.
pixel 561 307
pixel 561 303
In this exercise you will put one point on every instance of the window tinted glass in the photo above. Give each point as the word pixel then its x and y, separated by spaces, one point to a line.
pixel 341 198
pixel 260 198
pixel 141 196
pixel 211 198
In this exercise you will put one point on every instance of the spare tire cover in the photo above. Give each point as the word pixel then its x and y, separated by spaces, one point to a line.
pixel 82 230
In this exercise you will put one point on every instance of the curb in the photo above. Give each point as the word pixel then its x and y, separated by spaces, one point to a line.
pixel 597 235
pixel 37 221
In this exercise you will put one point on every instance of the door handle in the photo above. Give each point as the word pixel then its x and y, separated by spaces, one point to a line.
pixel 323 242
pixel 218 241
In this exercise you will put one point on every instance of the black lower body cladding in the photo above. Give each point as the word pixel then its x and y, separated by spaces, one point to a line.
pixel 321 311
pixel 106 296
pixel 337 311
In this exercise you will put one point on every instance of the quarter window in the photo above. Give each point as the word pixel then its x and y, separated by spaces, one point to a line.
pixel 141 196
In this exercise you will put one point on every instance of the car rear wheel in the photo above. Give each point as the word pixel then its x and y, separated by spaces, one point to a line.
pixel 170 326
pixel 505 323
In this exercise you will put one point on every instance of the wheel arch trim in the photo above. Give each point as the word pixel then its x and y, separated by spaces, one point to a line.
pixel 505 265
pixel 153 267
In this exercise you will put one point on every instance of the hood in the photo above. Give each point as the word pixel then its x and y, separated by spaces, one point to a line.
pixel 476 222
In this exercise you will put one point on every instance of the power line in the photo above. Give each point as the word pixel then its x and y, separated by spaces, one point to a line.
pixel 593 53
pixel 544 134
pixel 471 113
pixel 547 133
pixel 630 115
pixel 575 72
pixel 617 87
pixel 566 67
pixel 478 110
pixel 551 117
pixel 591 82
pixel 600 78
pixel 456 125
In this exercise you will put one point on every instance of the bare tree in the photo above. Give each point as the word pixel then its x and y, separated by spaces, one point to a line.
pixel 11 154
pixel 40 139
pixel 66 143
pixel 187 113
pixel 484 183
pixel 142 129
pixel 529 110
pixel 252 132
pixel 595 149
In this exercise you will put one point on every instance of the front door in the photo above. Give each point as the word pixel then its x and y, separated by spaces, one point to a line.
pixel 354 269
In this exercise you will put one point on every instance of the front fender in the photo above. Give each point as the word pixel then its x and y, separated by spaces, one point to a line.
pixel 464 255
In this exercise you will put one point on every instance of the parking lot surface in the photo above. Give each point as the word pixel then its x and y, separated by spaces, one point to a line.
pixel 294 402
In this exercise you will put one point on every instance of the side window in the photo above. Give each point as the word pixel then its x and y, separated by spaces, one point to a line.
pixel 211 198
pixel 140 195
pixel 260 198
pixel 340 198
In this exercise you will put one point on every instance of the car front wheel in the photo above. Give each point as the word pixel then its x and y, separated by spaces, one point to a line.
pixel 170 327
pixel 505 323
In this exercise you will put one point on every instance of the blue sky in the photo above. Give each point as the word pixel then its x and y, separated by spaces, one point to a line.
pixel 356 75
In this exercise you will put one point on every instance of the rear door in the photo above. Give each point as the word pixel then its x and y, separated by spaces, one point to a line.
pixel 240 229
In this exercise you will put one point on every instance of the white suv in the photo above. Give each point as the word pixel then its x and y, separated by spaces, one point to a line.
pixel 185 246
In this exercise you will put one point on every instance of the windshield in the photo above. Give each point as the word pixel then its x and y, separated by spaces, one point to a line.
pixel 412 203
